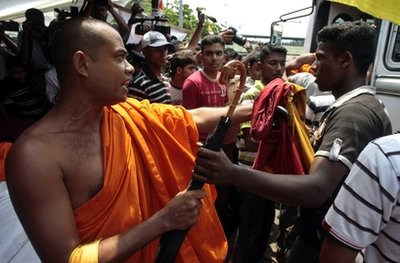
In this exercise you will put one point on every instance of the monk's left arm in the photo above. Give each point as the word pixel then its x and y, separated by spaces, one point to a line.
pixel 206 118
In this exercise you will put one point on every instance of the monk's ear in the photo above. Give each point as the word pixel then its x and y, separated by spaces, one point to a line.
pixel 80 60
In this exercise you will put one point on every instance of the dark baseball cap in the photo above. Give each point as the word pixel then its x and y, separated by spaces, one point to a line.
pixel 154 39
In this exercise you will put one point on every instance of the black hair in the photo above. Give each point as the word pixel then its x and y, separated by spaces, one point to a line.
pixel 231 53
pixel 74 34
pixel 253 58
pixel 358 38
pixel 267 49
pixel 210 40
pixel 31 13
pixel 181 58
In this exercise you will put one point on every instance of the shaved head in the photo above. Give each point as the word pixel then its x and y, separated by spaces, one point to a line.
pixel 79 34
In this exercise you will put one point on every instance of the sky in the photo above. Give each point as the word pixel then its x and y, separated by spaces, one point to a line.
pixel 254 17
pixel 249 17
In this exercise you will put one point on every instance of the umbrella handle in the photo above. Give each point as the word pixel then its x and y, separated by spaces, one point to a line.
pixel 229 70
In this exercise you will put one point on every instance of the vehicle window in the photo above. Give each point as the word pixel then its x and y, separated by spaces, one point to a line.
pixel 396 48
pixel 392 53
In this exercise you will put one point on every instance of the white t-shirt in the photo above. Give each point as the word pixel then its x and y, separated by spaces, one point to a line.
pixel 176 95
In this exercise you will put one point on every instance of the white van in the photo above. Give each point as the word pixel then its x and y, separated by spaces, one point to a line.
pixel 386 68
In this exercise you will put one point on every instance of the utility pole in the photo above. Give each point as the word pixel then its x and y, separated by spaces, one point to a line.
pixel 180 24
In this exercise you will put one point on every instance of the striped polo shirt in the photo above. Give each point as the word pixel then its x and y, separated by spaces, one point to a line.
pixel 366 213
pixel 147 86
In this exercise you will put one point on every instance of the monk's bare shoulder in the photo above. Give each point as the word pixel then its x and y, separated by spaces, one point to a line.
pixel 33 151
pixel 59 155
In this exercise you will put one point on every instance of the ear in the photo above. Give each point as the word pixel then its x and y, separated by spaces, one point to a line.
pixel 179 71
pixel 346 59
pixel 258 66
pixel 200 56
pixel 80 60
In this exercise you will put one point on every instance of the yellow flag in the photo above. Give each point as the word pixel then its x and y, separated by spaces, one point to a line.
pixel 383 9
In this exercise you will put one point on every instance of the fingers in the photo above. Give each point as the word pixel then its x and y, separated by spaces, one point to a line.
pixel 197 194
pixel 205 153
pixel 187 201
pixel 201 178
pixel 210 159
pixel 206 163
pixel 183 210
pixel 200 166
pixel 192 204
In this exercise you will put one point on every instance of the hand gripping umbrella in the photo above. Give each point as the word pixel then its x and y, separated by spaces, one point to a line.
pixel 171 241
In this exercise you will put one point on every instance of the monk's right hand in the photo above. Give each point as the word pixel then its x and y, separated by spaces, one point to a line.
pixel 182 211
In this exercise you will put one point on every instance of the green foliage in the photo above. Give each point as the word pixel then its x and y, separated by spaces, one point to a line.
pixel 189 18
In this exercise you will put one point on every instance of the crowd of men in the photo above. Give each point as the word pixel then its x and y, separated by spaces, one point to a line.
pixel 100 139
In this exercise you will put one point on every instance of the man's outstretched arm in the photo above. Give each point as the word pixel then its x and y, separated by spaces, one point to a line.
pixel 207 118
pixel 310 190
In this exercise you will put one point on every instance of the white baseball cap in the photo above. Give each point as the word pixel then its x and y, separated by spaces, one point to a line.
pixel 154 39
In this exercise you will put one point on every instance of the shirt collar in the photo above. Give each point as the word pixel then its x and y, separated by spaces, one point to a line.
pixel 351 94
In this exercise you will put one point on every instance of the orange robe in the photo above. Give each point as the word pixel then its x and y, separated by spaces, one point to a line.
pixel 4 148
pixel 148 158
pixel 303 68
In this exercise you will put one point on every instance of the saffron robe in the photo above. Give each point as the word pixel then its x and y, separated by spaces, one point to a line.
pixel 4 148
pixel 149 152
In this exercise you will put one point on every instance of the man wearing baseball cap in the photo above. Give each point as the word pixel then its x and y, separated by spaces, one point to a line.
pixel 150 83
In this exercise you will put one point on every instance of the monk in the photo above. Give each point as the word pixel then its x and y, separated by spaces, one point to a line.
pixel 101 177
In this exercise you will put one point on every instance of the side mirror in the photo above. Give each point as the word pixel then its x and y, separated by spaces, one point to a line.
pixel 276 33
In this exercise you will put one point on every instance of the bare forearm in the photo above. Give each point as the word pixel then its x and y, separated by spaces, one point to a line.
pixel 195 38
pixel 310 190
pixel 242 113
pixel 181 212
pixel 301 190
pixel 120 247
pixel 206 118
